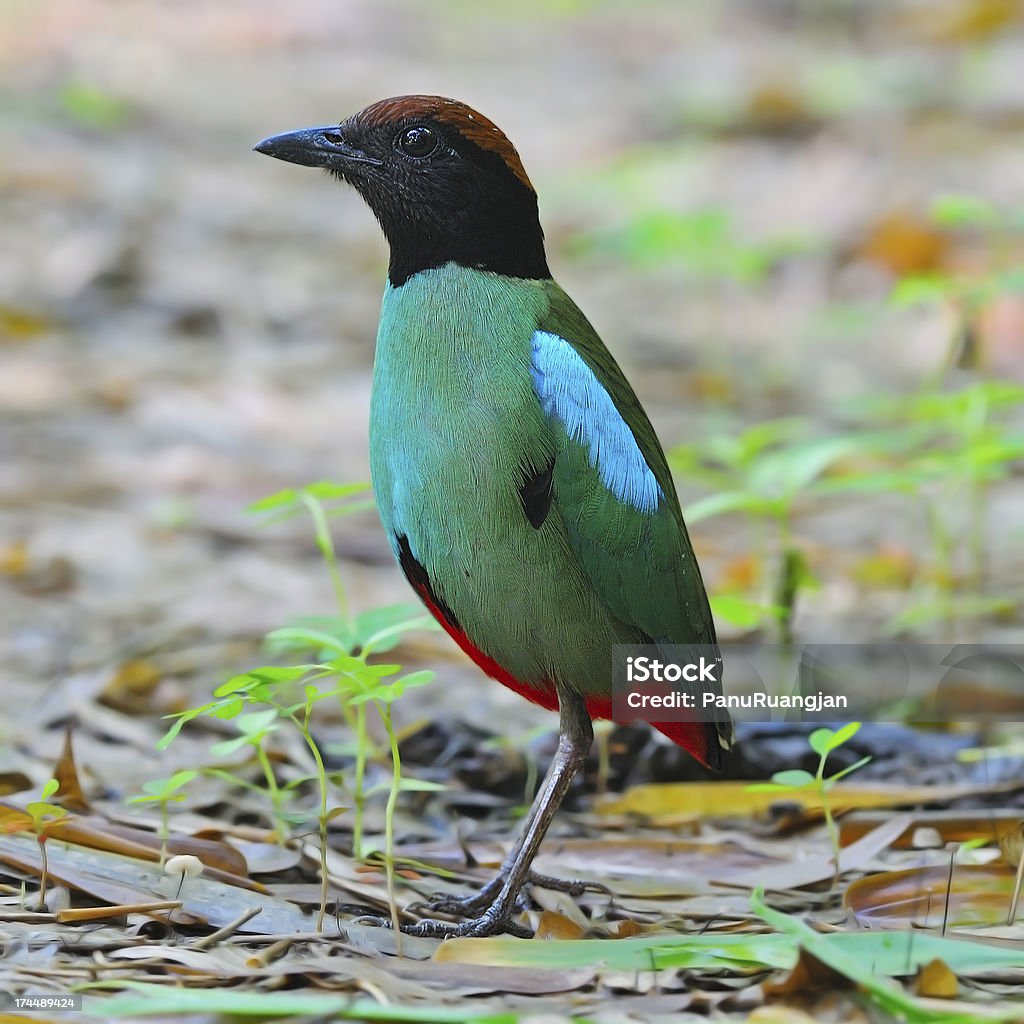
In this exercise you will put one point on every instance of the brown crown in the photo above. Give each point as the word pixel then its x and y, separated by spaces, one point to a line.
pixel 470 124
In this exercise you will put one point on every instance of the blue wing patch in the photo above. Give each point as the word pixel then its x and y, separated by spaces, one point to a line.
pixel 569 391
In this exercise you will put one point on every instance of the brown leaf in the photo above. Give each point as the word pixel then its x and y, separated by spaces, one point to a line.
pixel 553 925
pixel 14 782
pixel 916 897
pixel 936 980
pixel 130 687
pixel 796 874
pixel 903 243
pixel 69 795
pixel 809 975
pixel 953 826
pixel 673 803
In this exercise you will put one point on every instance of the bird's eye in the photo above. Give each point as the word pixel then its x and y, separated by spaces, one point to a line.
pixel 418 142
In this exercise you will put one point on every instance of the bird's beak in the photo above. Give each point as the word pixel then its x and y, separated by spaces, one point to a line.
pixel 314 147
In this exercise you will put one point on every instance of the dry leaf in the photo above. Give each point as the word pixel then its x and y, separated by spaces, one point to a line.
pixel 553 925
pixel 903 243
pixel 69 795
pixel 937 981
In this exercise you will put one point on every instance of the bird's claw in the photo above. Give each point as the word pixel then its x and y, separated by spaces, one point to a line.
pixel 470 906
pixel 488 923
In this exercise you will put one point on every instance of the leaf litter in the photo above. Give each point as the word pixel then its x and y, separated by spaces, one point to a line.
pixel 132 581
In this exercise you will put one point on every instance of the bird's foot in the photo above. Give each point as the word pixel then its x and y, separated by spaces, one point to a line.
pixel 491 922
pixel 477 903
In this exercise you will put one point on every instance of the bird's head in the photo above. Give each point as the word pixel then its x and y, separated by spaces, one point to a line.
pixel 443 180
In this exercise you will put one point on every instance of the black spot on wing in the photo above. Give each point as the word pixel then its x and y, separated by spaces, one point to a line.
pixel 535 492
pixel 418 577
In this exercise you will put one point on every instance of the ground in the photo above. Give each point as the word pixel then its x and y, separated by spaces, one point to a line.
pixel 731 191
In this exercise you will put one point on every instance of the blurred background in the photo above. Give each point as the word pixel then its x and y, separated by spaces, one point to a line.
pixel 797 223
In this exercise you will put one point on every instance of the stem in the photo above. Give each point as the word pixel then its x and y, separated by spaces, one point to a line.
pixel 44 872
pixel 165 828
pixel 978 496
pixel 389 819
pixel 326 545
pixel 321 773
pixel 359 794
pixel 830 824
pixel 276 801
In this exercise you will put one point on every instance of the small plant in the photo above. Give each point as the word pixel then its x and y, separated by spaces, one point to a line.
pixel 764 472
pixel 39 816
pixel 379 629
pixel 265 698
pixel 944 450
pixel 254 728
pixel 966 294
pixel 165 792
pixel 822 742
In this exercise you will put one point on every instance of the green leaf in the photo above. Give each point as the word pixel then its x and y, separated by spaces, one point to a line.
pixel 328 490
pixel 94 107
pixel 161 789
pixel 921 290
pixel 725 502
pixel 960 209
pixel 226 747
pixel 823 741
pixel 261 676
pixel 740 612
pixel 49 788
pixel 846 771
pixel 254 724
pixel 420 678
pixel 288 498
pixel 301 638
pixel 788 471
pixel 867 958
pixel 382 629
pixel 794 778
pixel 40 810
pixel 141 999
pixel 421 786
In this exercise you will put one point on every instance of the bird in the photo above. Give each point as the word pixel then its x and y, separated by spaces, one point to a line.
pixel 523 490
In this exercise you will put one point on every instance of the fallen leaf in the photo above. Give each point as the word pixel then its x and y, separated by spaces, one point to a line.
pixel 903 244
pixel 672 803
pixel 795 874
pixel 553 925
pixel 936 980
pixel 916 897
pixel 69 794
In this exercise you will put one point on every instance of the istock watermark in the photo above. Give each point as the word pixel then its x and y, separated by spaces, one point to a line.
pixel 919 683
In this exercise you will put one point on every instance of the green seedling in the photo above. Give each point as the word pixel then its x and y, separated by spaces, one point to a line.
pixel 764 473
pixel 822 742
pixel 165 792
pixel 949 449
pixel 39 816
pixel 254 729
pixel 263 699
pixel 377 630
pixel 383 696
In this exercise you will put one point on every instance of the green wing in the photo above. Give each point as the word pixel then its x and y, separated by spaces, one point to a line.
pixel 638 559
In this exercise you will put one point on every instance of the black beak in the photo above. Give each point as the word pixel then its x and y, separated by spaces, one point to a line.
pixel 314 147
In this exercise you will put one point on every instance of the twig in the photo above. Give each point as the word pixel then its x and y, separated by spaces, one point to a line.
pixel 229 929
pixel 1017 883
pixel 952 847
pixel 27 917
pixel 271 953
pixel 121 910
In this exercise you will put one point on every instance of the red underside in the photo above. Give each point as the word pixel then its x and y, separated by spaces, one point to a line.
pixel 691 736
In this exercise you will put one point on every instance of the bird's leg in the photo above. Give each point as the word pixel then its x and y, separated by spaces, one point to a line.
pixel 498 899
pixel 476 903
